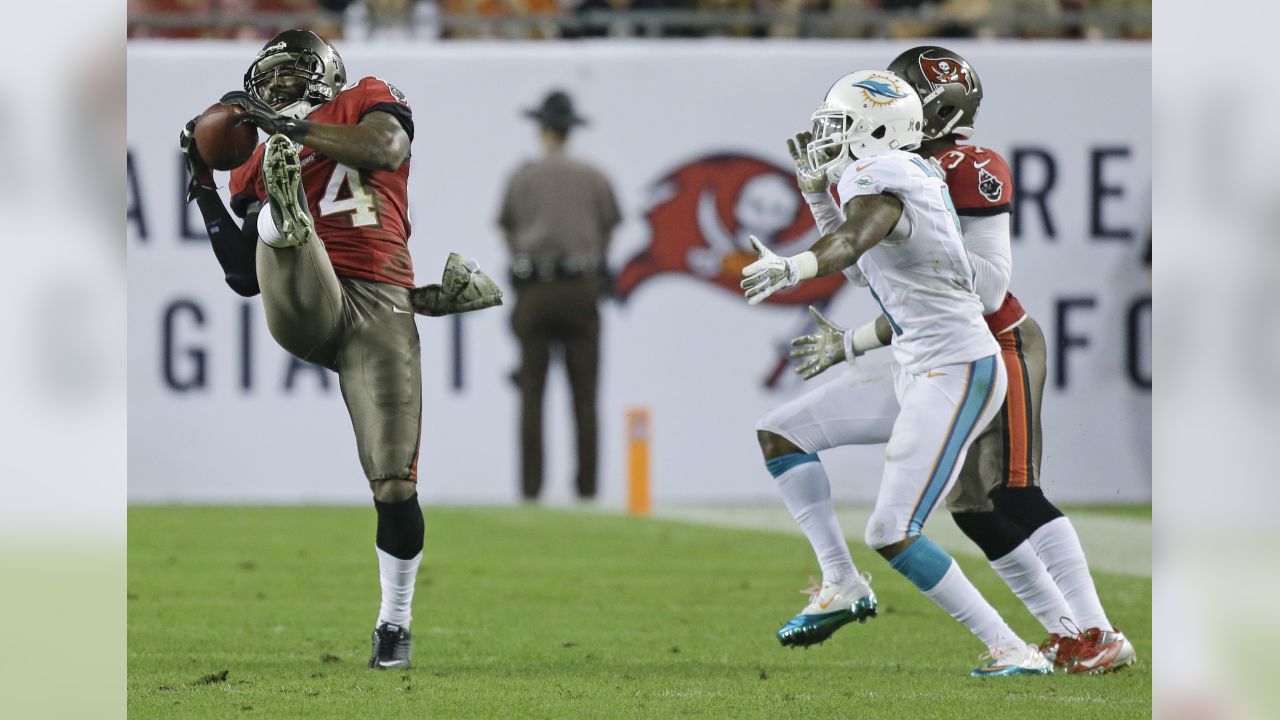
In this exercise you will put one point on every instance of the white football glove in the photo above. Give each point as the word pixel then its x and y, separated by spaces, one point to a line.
pixel 807 179
pixel 769 274
pixel 820 350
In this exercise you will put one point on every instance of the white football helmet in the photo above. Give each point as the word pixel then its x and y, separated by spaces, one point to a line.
pixel 865 113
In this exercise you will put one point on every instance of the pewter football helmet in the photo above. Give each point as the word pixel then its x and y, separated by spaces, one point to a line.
pixel 303 54
pixel 949 89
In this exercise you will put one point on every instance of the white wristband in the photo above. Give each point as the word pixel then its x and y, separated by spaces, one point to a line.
pixel 861 340
pixel 806 265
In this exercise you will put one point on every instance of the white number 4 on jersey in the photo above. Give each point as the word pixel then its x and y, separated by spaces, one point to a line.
pixel 358 200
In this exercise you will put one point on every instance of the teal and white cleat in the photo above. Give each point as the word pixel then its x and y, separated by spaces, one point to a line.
pixel 1019 659
pixel 830 608
pixel 282 175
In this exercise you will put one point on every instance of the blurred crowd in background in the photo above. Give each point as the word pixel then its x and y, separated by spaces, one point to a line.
pixel 428 20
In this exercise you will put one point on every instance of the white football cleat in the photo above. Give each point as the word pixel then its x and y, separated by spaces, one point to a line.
pixel 831 607
pixel 1017 659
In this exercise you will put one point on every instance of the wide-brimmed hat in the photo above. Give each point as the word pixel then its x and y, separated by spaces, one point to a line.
pixel 556 112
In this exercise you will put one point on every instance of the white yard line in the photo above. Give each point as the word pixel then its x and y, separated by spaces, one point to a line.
pixel 1112 543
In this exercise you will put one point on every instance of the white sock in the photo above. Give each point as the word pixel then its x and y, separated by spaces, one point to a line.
pixel 807 494
pixel 1058 546
pixel 267 231
pixel 397 578
pixel 955 594
pixel 1025 574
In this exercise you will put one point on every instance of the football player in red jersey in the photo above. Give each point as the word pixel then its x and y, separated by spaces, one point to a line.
pixel 998 502
pixel 325 241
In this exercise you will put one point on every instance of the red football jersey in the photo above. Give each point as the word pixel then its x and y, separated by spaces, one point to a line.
pixel 980 184
pixel 978 178
pixel 361 215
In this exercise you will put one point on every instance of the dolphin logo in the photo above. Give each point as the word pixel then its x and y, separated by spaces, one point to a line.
pixel 879 89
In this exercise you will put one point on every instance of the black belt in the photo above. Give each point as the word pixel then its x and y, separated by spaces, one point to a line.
pixel 526 270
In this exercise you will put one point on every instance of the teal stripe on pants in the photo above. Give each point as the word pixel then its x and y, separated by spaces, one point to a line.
pixel 977 391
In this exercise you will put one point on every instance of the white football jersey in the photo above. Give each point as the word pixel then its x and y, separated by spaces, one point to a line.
pixel 920 275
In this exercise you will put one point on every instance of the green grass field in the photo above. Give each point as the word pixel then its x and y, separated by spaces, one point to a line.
pixel 532 613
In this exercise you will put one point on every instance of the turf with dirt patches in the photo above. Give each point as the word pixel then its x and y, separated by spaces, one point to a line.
pixel 526 612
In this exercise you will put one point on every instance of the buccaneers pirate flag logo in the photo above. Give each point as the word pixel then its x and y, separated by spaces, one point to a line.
pixel 702 214
pixel 947 71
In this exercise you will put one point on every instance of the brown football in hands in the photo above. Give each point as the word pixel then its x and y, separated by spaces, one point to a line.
pixel 221 144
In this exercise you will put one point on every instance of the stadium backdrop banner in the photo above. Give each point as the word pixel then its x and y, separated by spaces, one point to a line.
pixel 692 136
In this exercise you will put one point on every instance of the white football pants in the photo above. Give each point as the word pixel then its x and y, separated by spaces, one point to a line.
pixel 929 420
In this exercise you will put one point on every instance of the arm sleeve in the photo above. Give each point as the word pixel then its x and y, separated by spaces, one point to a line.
pixel 507 214
pixel 382 96
pixel 234 247
pixel 978 179
pixel 610 215
pixel 826 213
pixel 987 239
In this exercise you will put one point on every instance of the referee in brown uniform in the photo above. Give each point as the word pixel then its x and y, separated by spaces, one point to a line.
pixel 558 214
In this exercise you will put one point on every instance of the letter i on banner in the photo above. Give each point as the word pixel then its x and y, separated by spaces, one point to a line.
pixel 638 461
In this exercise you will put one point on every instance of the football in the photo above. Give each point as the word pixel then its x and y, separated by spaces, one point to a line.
pixel 222 144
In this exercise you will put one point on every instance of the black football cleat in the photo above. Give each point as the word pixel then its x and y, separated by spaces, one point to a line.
pixel 392 647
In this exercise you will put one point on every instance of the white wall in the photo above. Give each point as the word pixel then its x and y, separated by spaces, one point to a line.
pixel 694 353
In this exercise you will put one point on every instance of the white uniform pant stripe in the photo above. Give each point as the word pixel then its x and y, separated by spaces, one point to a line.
pixel 942 411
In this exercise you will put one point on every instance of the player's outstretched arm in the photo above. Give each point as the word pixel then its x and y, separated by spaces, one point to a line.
pixel 232 245
pixel 868 220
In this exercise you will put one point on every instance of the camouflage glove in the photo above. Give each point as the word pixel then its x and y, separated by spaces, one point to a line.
pixel 463 288
pixel 807 179
pixel 820 350
pixel 200 177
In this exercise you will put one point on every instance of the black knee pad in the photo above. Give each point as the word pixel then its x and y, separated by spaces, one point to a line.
pixel 1027 507
pixel 991 531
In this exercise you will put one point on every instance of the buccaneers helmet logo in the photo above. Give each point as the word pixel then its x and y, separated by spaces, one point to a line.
pixel 701 214
pixel 946 71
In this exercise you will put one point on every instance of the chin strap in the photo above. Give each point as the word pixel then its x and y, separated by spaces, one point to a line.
pixel 464 288
pixel 298 110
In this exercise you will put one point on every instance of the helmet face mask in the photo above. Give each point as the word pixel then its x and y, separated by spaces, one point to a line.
pixel 865 113
pixel 297 54
pixel 829 148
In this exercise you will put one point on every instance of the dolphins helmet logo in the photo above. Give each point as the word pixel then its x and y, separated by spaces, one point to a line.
pixel 947 71
pixel 701 214
pixel 880 92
